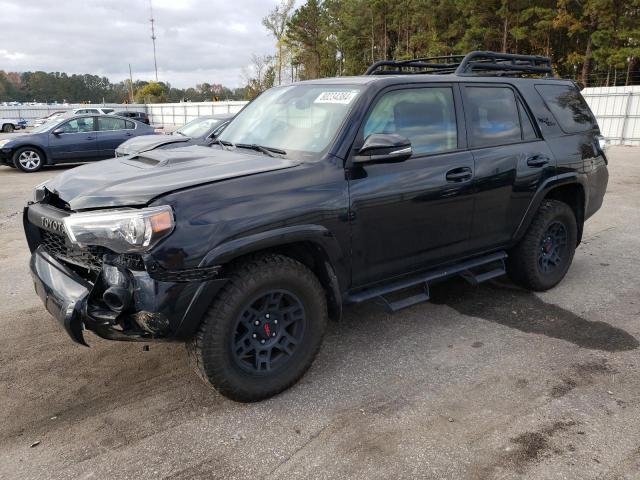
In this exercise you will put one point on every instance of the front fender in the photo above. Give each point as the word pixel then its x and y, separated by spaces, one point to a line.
pixel 316 234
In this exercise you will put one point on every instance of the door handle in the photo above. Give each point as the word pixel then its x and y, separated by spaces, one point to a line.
pixel 90 138
pixel 460 174
pixel 537 161
pixel 128 134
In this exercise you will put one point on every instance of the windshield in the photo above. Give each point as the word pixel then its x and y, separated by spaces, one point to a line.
pixel 45 127
pixel 301 120
pixel 198 127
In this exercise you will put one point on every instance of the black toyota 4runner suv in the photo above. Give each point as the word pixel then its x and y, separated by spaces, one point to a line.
pixel 319 194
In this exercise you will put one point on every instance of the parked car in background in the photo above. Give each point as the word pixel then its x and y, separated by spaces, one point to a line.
pixel 79 139
pixel 139 116
pixel 8 125
pixel 201 131
pixel 83 111
pixel 49 118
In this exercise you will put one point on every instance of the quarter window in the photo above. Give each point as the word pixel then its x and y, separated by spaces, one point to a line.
pixel 426 116
pixel 492 116
pixel 568 106
pixel 106 123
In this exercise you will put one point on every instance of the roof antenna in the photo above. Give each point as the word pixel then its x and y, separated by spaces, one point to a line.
pixel 153 38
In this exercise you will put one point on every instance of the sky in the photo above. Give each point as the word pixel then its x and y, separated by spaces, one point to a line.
pixel 197 40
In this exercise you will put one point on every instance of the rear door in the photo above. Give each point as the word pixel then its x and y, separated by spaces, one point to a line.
pixel 112 131
pixel 76 142
pixel 511 160
pixel 410 214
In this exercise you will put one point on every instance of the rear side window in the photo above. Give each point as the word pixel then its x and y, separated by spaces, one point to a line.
pixel 426 116
pixel 492 116
pixel 568 107
pixel 107 123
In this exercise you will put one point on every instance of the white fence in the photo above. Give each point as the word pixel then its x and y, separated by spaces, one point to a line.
pixel 166 114
pixel 616 108
pixel 33 112
pixel 618 112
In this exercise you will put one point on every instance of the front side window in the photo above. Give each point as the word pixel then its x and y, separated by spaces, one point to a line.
pixel 108 123
pixel 301 120
pixel 78 125
pixel 426 116
pixel 568 106
pixel 492 116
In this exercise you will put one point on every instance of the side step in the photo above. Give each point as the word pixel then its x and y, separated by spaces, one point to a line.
pixel 464 269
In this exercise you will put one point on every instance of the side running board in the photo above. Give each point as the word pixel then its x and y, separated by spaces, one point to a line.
pixel 474 271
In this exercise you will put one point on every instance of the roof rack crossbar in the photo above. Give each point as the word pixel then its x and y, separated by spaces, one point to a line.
pixel 504 61
pixel 470 64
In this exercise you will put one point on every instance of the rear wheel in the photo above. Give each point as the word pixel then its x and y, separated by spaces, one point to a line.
pixel 28 159
pixel 544 255
pixel 7 128
pixel 263 330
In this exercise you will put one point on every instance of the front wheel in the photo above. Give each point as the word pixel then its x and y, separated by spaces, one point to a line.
pixel 28 159
pixel 7 128
pixel 543 256
pixel 263 330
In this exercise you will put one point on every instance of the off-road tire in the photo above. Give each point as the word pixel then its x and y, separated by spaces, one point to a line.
pixel 211 349
pixel 523 263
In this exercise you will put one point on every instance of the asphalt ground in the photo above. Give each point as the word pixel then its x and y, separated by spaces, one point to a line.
pixel 488 382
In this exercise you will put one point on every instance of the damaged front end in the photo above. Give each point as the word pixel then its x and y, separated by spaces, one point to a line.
pixel 118 296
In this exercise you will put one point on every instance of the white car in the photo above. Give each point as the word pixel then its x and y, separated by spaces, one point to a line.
pixel 76 111
pixel 52 116
pixel 8 125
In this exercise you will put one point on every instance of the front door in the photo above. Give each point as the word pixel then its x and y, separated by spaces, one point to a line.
pixel 76 141
pixel 414 213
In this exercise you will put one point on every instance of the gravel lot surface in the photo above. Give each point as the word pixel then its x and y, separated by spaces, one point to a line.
pixel 481 383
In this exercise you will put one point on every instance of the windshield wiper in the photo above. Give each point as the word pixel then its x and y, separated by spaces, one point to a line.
pixel 224 143
pixel 266 150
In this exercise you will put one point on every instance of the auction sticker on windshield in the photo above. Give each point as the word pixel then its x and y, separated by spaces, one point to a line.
pixel 344 97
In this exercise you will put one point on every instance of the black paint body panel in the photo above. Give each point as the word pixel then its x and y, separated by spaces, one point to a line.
pixel 373 223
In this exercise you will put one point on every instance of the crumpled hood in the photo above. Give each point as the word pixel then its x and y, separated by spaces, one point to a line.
pixel 144 143
pixel 135 180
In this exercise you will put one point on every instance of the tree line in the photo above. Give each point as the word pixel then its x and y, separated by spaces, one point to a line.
pixel 61 87
pixel 596 42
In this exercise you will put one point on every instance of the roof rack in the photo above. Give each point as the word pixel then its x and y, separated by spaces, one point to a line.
pixel 473 63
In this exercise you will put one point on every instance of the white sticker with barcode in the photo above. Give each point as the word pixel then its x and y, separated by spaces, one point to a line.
pixel 343 97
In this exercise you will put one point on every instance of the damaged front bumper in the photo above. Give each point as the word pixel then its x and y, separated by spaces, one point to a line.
pixel 63 293
pixel 159 310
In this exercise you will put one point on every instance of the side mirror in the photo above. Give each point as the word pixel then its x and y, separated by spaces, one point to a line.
pixel 57 131
pixel 383 148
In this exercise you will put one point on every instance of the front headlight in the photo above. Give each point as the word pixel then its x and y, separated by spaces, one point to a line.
pixel 39 192
pixel 121 230
pixel 4 142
